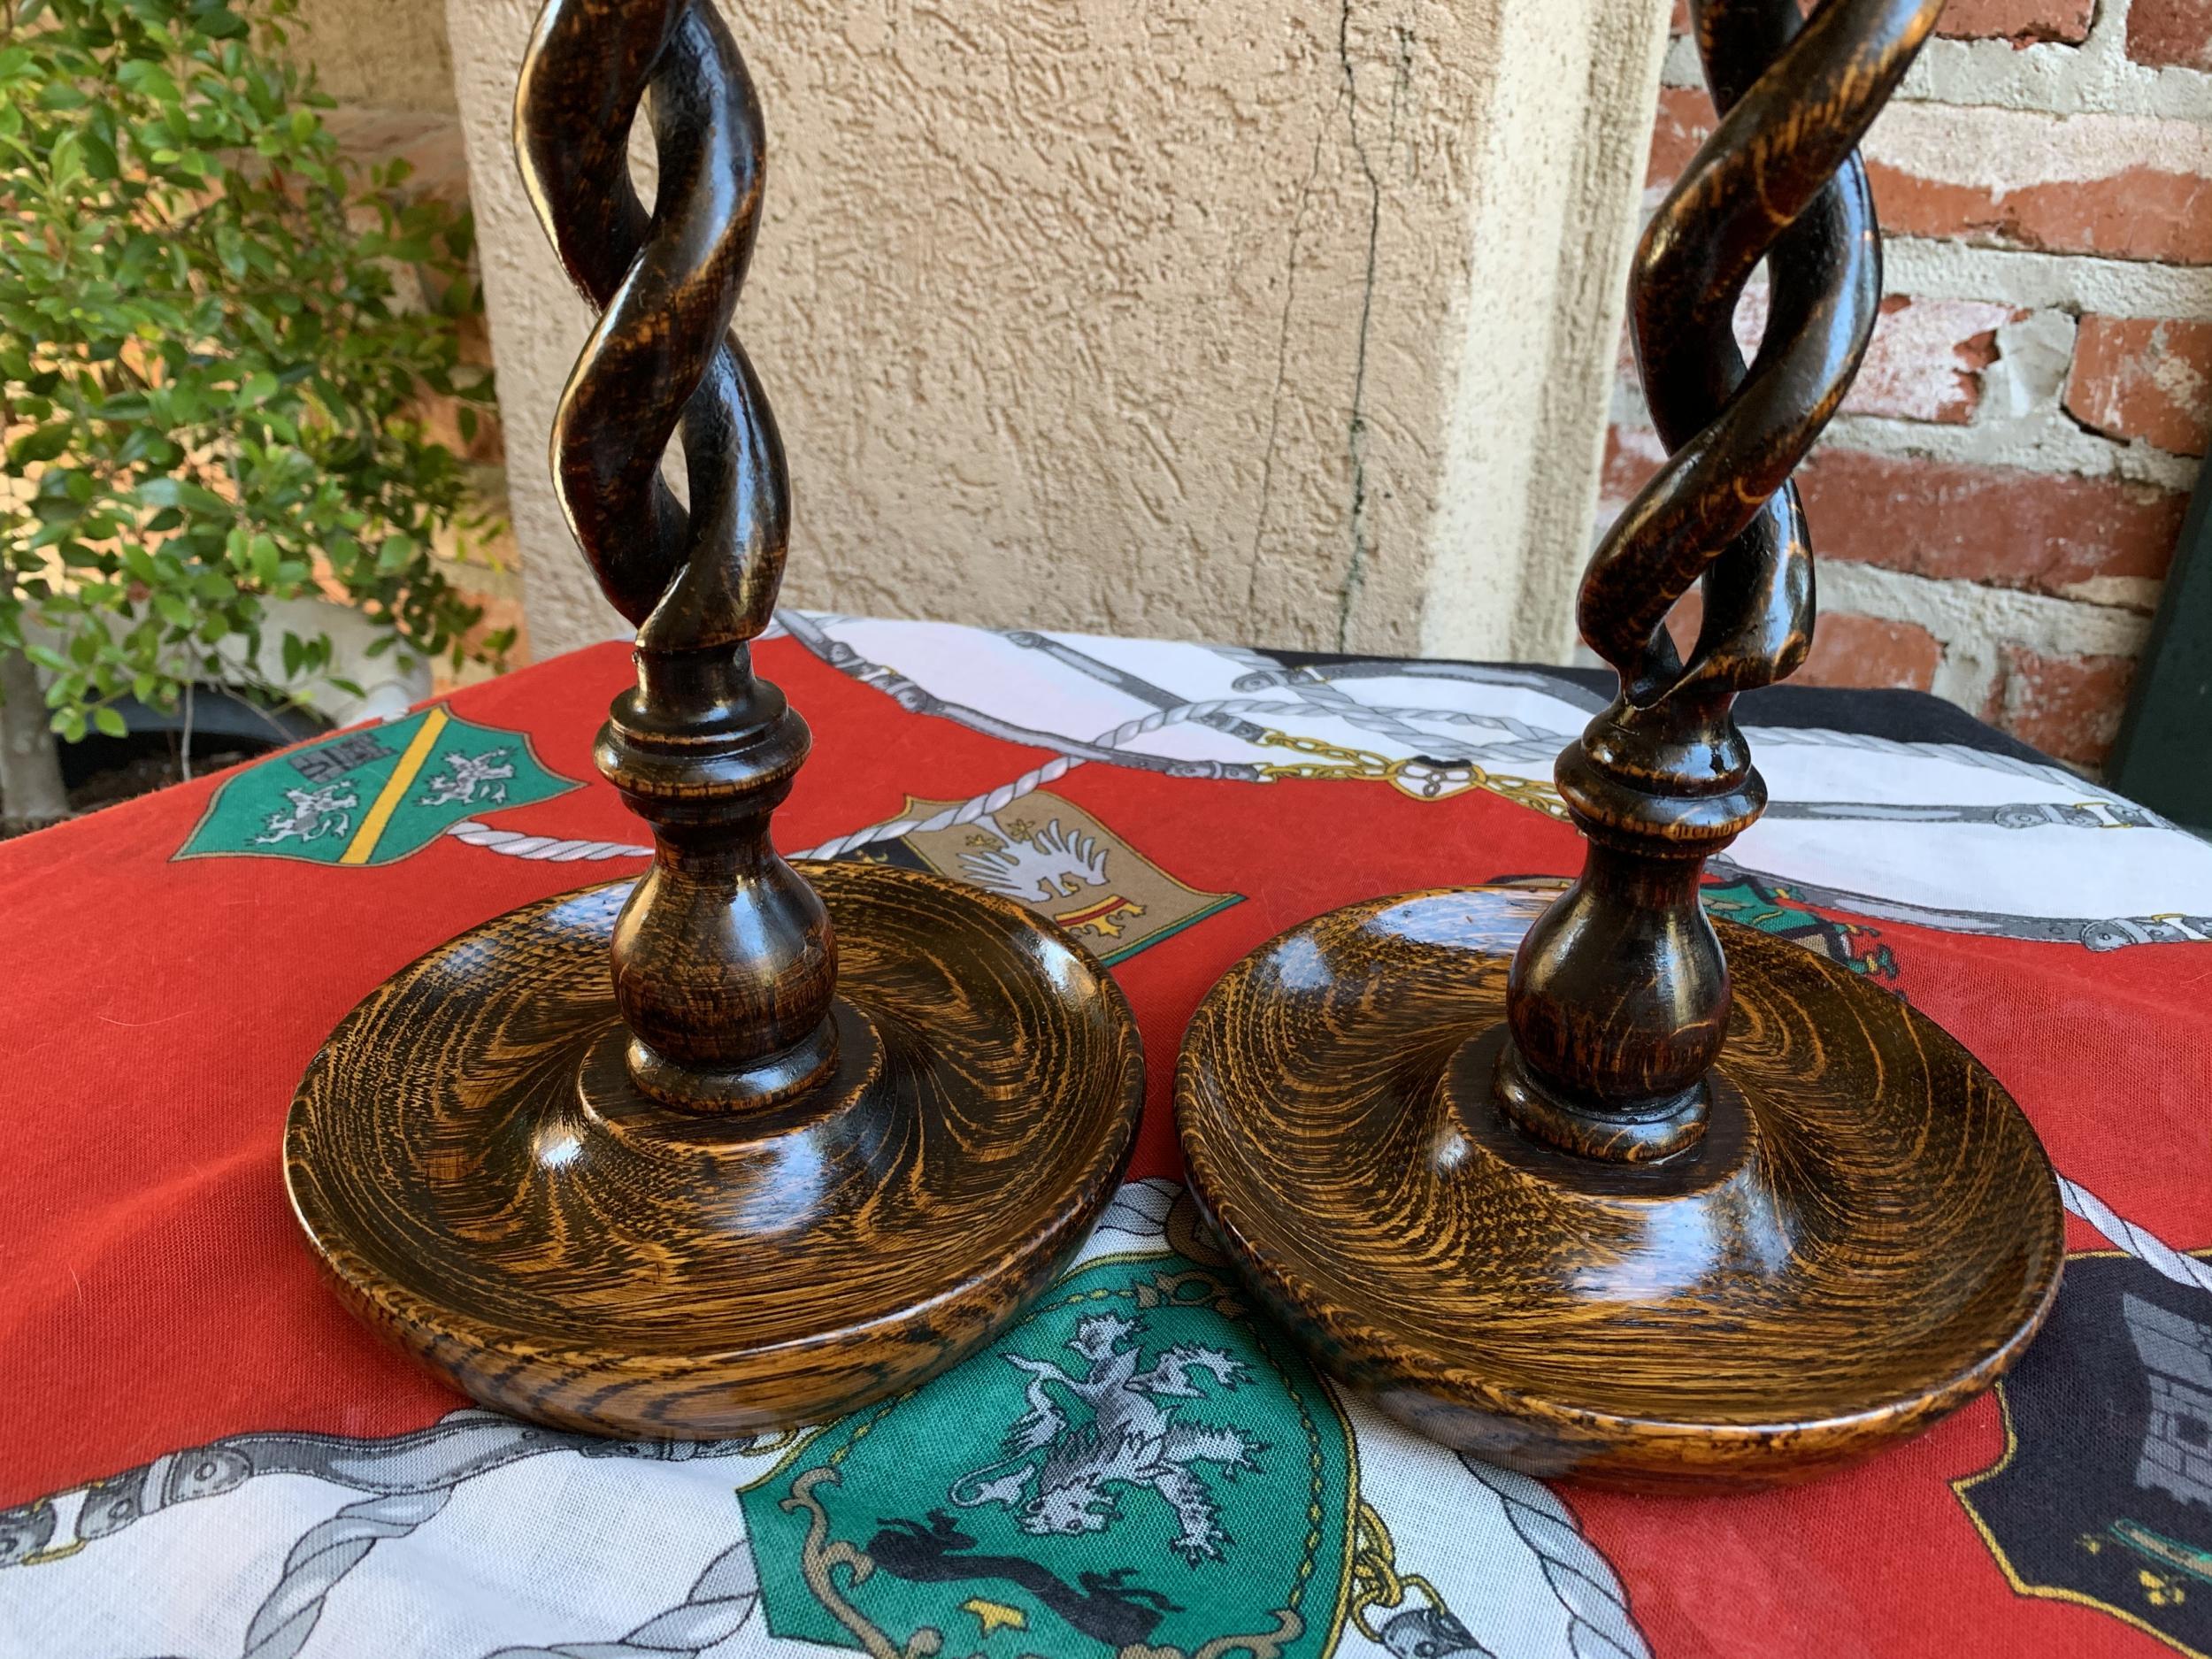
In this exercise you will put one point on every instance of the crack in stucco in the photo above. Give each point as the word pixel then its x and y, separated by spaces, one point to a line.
pixel 1356 435
pixel 1282 370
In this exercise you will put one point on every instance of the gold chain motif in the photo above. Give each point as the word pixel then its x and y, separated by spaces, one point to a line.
pixel 1376 1583
pixel 1423 780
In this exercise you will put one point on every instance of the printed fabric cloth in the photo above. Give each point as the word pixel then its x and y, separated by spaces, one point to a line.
pixel 205 1458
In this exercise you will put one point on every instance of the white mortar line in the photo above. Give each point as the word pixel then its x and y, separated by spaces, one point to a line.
pixel 1970 621
pixel 2094 78
pixel 2045 442
pixel 1934 268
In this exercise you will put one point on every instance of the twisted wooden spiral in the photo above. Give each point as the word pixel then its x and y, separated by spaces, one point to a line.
pixel 1620 994
pixel 667 285
pixel 779 1188
pixel 725 963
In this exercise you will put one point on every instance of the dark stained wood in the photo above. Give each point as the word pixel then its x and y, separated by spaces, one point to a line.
pixel 726 1149
pixel 1867 1235
pixel 1620 994
pixel 1638 1206
pixel 724 962
pixel 487 1183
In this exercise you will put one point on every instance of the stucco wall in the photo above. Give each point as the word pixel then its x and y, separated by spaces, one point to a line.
pixel 1176 319
pixel 382 54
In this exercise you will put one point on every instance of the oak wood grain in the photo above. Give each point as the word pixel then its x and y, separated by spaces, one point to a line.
pixel 726 1148
pixel 1621 993
pixel 1867 1235
pixel 486 1183
pixel 1595 1188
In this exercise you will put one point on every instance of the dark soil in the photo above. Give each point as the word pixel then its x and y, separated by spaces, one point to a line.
pixel 141 775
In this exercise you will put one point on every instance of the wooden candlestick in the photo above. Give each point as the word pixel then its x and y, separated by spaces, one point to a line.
pixel 732 1147
pixel 1593 1188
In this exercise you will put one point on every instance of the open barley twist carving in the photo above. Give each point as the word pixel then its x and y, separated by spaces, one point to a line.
pixel 723 960
pixel 754 1181
pixel 1533 1178
pixel 665 285
pixel 1620 994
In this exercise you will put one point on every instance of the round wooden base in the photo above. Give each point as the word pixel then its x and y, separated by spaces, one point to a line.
pixel 475 1167
pixel 1867 1234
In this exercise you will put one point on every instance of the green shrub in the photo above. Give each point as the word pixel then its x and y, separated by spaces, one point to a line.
pixel 212 366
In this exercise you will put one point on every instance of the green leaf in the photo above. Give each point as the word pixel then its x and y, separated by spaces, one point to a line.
pixel 99 158
pixel 43 444
pixel 177 204
pixel 149 80
pixel 65 161
pixel 110 722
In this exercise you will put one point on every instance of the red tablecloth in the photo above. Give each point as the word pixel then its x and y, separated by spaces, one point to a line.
pixel 209 1457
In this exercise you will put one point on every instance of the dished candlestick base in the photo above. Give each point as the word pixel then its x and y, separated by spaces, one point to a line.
pixel 480 1173
pixel 1865 1236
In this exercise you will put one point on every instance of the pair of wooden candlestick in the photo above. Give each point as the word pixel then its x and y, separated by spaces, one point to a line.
pixel 1586 1187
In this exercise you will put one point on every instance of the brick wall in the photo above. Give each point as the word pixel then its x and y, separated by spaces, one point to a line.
pixel 1996 506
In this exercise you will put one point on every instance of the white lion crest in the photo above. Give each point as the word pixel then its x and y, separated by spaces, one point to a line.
pixel 313 814
pixel 1133 1438
pixel 464 773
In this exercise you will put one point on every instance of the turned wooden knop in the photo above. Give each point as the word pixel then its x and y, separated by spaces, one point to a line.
pixel 724 961
pixel 1619 998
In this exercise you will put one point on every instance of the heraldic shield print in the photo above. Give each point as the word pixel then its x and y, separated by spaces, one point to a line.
pixel 1140 1470
pixel 373 795
pixel 1142 1467
pixel 2115 1510
pixel 1055 859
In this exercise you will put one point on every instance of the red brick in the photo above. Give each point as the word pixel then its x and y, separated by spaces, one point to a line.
pixel 1855 651
pixel 2066 706
pixel 2002 527
pixel 1632 454
pixel 2171 33
pixel 2137 377
pixel 2022 22
pixel 1684 120
pixel 2137 213
pixel 2141 211
pixel 1924 362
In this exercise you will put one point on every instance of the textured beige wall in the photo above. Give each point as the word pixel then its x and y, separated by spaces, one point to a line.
pixel 382 54
pixel 1289 323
